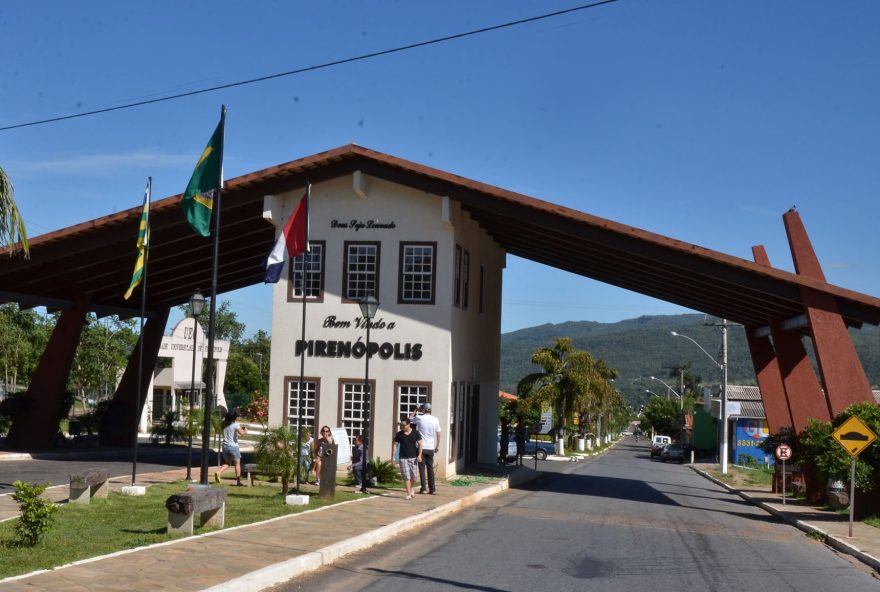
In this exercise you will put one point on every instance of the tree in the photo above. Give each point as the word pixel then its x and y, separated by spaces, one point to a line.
pixel 23 337
pixel 13 233
pixel 257 348
pixel 227 327
pixel 102 354
pixel 570 381
pixel 661 415
pixel 242 380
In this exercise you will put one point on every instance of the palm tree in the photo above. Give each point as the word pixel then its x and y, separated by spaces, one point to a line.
pixel 12 231
pixel 563 384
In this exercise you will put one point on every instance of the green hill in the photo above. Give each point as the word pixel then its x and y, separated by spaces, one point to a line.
pixel 642 347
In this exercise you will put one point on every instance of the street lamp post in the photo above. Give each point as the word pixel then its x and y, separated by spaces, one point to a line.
pixel 680 396
pixel 723 367
pixel 196 306
pixel 369 306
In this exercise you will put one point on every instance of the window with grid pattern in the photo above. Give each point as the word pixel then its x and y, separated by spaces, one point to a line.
pixel 361 270
pixel 409 397
pixel 310 389
pixel 353 406
pixel 308 269
pixel 417 273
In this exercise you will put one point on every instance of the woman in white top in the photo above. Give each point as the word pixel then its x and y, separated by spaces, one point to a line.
pixel 230 450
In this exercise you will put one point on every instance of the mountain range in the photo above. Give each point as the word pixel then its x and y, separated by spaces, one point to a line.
pixel 644 347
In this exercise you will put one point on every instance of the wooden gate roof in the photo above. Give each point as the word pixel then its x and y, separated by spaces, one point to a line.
pixel 95 258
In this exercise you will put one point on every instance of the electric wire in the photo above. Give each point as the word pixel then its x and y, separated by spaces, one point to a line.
pixel 323 66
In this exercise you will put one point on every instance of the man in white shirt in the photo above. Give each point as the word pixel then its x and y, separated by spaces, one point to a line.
pixel 429 428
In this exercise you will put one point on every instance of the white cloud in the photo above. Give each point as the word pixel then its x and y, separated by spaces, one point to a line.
pixel 91 164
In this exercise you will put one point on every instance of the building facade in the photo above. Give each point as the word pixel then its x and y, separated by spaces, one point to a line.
pixel 435 338
pixel 171 385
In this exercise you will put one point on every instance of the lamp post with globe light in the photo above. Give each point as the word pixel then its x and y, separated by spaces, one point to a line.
pixel 196 306
pixel 369 306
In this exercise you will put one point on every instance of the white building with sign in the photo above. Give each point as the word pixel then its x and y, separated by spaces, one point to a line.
pixel 172 384
pixel 435 337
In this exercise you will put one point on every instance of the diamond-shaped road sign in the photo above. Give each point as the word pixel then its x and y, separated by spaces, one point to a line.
pixel 854 436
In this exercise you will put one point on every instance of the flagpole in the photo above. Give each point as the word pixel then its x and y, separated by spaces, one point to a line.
pixel 137 390
pixel 209 386
pixel 302 357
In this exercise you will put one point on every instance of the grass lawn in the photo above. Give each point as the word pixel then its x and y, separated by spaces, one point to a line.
pixel 122 522
pixel 742 476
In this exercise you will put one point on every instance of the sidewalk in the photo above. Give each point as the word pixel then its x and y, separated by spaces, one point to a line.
pixel 834 528
pixel 256 556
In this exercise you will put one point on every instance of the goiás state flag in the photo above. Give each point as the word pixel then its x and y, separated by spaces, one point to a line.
pixel 293 241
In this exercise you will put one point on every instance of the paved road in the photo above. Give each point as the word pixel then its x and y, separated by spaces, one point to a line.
pixel 55 469
pixel 621 522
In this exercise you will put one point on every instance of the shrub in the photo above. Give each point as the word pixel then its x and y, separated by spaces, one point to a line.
pixel 818 448
pixel 384 471
pixel 275 454
pixel 36 516
pixel 166 428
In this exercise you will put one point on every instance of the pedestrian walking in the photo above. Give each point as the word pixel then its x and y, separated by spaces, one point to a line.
pixel 409 443
pixel 229 450
pixel 429 428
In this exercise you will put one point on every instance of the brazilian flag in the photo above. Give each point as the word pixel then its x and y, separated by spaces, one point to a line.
pixel 198 200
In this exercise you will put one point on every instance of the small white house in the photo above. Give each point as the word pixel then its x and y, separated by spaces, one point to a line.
pixel 436 335
pixel 173 384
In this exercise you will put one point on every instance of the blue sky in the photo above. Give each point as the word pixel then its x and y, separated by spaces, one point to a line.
pixel 703 121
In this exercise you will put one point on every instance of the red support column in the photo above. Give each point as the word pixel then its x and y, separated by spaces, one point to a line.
pixel 36 426
pixel 120 418
pixel 767 372
pixel 842 372
pixel 806 400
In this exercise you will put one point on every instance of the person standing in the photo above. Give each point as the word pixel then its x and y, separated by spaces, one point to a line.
pixel 325 440
pixel 357 462
pixel 520 436
pixel 229 449
pixel 409 443
pixel 429 427
pixel 305 455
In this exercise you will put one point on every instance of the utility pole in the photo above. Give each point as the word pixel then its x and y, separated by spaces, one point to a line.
pixel 724 396
pixel 681 424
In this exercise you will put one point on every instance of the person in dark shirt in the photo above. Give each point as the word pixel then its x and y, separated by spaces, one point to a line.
pixel 409 442
pixel 357 462
pixel 520 436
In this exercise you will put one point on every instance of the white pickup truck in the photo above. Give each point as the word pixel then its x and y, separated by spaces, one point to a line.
pixel 658 443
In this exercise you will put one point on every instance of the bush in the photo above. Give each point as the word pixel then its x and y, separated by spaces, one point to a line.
pixel 166 428
pixel 275 454
pixel 37 514
pixel 817 448
pixel 383 471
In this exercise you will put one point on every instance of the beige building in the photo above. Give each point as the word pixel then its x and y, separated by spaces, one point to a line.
pixel 170 386
pixel 435 337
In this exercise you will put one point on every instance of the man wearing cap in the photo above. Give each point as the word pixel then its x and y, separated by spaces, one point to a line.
pixel 429 427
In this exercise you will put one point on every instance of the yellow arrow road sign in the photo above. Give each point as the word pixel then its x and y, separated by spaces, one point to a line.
pixel 854 436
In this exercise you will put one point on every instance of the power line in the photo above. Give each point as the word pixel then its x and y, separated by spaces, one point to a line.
pixel 358 58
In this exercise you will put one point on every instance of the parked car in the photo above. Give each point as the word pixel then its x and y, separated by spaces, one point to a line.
pixel 673 451
pixel 543 448
pixel 658 443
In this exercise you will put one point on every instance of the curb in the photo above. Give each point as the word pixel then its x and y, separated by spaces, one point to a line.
pixel 830 540
pixel 279 573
